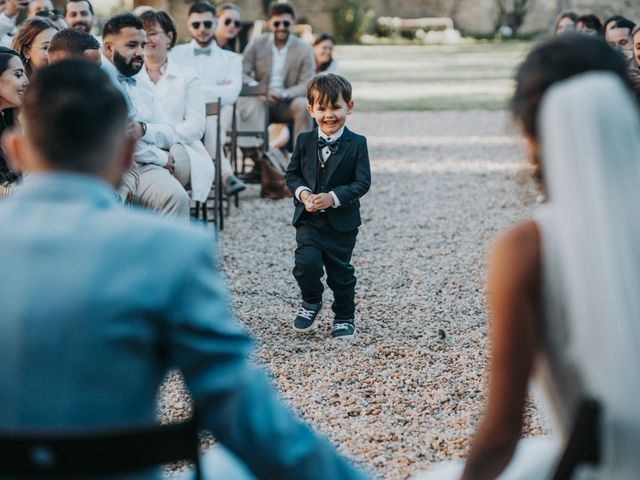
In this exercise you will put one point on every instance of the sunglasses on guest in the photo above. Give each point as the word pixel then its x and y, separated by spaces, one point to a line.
pixel 229 21
pixel 285 23
pixel 207 24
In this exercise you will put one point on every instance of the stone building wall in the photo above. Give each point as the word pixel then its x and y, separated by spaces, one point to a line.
pixel 473 16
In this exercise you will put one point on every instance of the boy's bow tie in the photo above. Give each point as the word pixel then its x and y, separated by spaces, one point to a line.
pixel 332 146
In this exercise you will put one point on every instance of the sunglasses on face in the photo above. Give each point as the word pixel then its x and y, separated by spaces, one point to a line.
pixel 229 21
pixel 207 24
pixel 284 23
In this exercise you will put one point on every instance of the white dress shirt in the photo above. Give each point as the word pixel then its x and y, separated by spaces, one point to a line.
pixel 161 134
pixel 179 91
pixel 278 59
pixel 326 153
pixel 220 71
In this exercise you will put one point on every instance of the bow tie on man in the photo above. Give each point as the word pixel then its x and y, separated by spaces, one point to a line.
pixel 332 146
pixel 128 80
pixel 202 51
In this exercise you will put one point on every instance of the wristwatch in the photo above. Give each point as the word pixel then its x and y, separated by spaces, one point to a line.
pixel 143 127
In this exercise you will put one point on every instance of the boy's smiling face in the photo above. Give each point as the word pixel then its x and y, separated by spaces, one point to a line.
pixel 332 116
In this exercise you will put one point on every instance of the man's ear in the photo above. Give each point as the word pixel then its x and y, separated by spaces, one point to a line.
pixel 13 146
pixel 127 157
pixel 107 48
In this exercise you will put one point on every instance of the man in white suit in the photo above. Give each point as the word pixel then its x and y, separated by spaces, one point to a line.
pixel 220 72
pixel 100 301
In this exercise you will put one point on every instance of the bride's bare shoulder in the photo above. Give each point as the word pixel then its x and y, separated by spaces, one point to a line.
pixel 515 256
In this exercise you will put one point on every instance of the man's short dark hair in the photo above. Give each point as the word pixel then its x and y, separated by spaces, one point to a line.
pixel 326 88
pixel 276 9
pixel 590 21
pixel 624 23
pixel 78 1
pixel 202 7
pixel 75 116
pixel 162 18
pixel 125 20
pixel 73 41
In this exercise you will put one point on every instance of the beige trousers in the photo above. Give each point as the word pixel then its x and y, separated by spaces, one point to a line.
pixel 161 191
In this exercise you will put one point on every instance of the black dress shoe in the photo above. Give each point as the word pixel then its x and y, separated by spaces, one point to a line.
pixel 233 185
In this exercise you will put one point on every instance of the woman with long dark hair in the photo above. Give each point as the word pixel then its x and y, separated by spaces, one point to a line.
pixel 13 82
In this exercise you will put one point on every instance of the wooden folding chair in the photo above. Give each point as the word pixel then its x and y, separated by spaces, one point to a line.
pixel 212 208
pixel 99 452
pixel 249 91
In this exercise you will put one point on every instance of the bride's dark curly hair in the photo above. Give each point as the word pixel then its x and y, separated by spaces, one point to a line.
pixel 552 61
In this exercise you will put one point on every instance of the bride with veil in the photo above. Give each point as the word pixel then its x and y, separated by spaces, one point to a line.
pixel 564 287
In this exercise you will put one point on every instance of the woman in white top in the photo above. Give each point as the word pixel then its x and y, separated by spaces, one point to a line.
pixel 179 91
pixel 564 287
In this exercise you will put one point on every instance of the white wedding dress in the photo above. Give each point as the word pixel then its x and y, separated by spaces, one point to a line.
pixel 590 240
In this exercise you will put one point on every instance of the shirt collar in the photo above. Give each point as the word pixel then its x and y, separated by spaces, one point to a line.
pixel 286 45
pixel 213 46
pixel 333 137
pixel 65 186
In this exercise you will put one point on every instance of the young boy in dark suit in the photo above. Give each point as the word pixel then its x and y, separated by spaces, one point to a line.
pixel 328 173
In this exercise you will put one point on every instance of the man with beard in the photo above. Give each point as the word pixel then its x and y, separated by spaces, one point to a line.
pixel 79 14
pixel 287 64
pixel 123 41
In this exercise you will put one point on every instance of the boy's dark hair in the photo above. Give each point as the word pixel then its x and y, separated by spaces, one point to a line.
pixel 162 18
pixel 591 21
pixel 322 37
pixel 125 20
pixel 78 1
pixel 75 116
pixel 624 23
pixel 73 41
pixel 326 88
pixel 202 7
pixel 556 60
pixel 280 9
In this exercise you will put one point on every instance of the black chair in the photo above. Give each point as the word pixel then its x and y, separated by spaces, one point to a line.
pixel 583 446
pixel 100 452
pixel 212 208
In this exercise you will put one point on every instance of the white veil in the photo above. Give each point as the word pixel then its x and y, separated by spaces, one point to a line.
pixel 590 133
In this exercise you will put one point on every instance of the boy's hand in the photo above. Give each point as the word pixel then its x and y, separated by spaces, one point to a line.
pixel 307 199
pixel 322 201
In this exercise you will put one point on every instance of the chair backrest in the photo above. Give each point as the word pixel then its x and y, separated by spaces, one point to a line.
pixel 583 446
pixel 215 109
pixel 104 452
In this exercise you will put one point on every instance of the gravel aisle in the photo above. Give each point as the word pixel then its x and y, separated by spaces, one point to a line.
pixel 410 390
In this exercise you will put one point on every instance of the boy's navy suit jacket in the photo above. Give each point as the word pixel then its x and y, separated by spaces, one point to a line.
pixel 349 176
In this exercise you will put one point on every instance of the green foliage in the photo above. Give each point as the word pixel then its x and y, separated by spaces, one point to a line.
pixel 350 20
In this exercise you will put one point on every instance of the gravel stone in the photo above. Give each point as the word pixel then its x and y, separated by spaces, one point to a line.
pixel 410 389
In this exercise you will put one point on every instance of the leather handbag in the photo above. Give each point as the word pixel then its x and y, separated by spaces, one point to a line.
pixel 272 168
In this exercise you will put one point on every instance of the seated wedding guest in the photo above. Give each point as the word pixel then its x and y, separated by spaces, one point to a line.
pixel 13 83
pixel 123 40
pixel 79 14
pixel 140 296
pixel 72 43
pixel 32 43
pixel 220 73
pixel 608 23
pixel 619 37
pixel 39 6
pixel 634 69
pixel 323 53
pixel 229 21
pixel 565 22
pixel 287 64
pixel 179 91
pixel 548 291
pixel 589 24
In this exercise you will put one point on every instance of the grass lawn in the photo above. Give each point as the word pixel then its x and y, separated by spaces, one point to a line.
pixel 431 77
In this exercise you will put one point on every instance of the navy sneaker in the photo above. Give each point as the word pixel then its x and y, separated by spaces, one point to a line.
pixel 306 317
pixel 343 329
